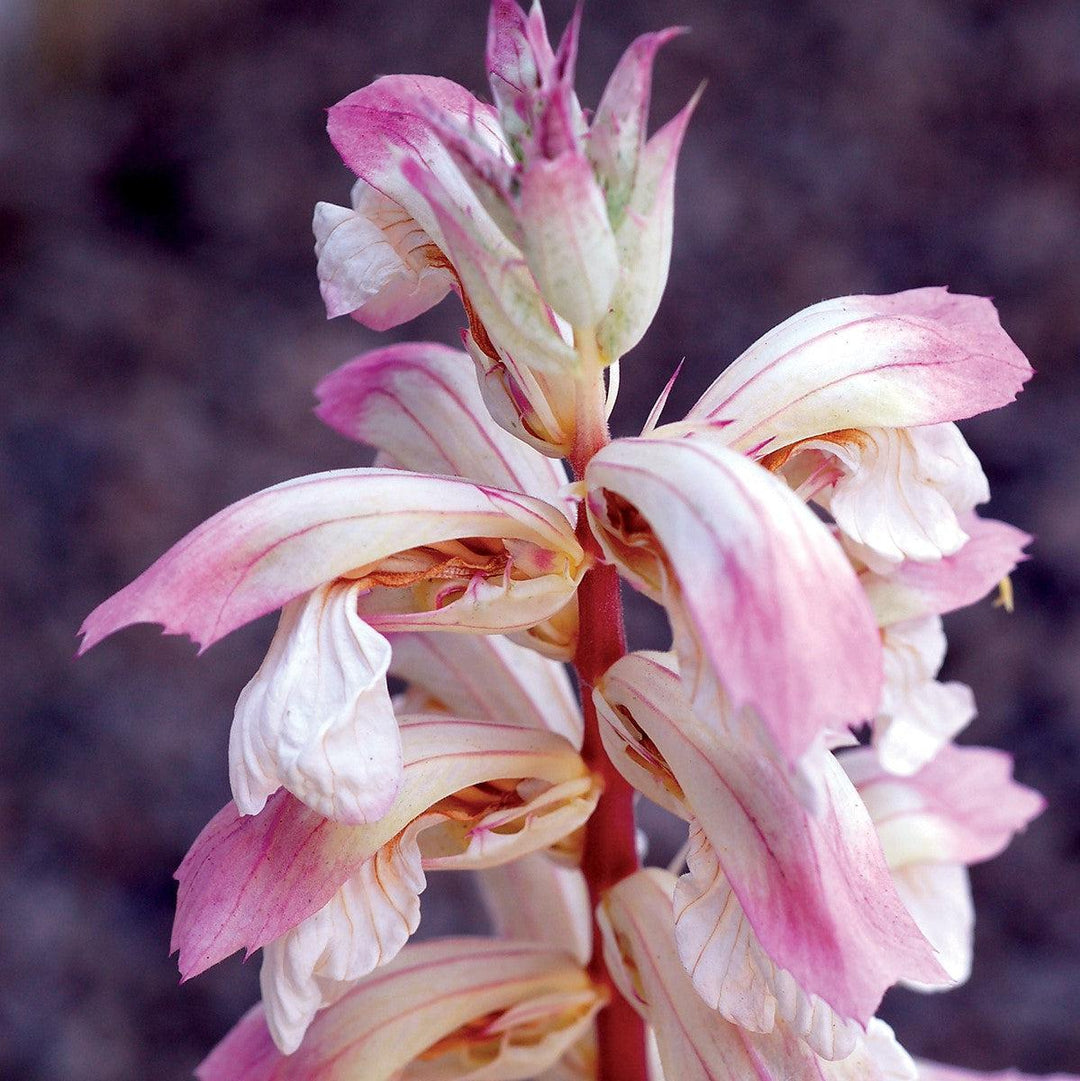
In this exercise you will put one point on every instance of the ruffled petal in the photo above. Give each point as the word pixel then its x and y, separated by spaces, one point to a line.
pixel 317 716
pixel 765 607
pixel 694 1042
pixel 470 1009
pixel 375 262
pixel 366 923
pixel 900 493
pixel 918 715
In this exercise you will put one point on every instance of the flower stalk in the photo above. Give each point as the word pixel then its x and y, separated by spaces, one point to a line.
pixel 610 850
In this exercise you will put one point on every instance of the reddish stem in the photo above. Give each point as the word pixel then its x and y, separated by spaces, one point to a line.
pixel 610 844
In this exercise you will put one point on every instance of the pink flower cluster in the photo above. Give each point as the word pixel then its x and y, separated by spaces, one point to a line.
pixel 804 527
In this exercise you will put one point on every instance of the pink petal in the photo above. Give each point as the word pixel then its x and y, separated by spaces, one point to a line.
pixel 694 1042
pixel 814 886
pixel 249 878
pixel 375 127
pixel 764 603
pixel 919 357
pixel 916 589
pixel 420 403
pixel 963 807
pixel 259 553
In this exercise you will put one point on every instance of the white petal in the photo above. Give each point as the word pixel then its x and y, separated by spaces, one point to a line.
pixel 902 490
pixel 917 715
pixel 938 895
pixel 317 716
pixel 366 923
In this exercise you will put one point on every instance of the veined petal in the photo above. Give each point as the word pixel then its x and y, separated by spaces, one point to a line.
pixel 898 494
pixel 317 716
pixel 375 262
pixel 919 357
pixel 489 677
pixel 816 915
pixel 539 900
pixel 733 973
pixel 617 133
pixel 459 1008
pixel 286 540
pixel 763 602
pixel 919 589
pixel 249 880
pixel 694 1042
pixel 962 807
pixel 420 403
pixel 918 715
pixel 643 239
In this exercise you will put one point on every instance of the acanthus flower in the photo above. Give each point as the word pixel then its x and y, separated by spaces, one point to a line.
pixel 328 902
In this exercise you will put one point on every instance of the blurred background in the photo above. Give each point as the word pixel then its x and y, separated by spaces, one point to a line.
pixel 161 330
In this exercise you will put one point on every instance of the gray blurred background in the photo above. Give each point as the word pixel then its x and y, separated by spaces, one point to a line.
pixel 161 330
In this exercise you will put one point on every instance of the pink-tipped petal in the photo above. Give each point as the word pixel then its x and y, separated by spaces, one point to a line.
pixel 919 357
pixel 912 589
pixel 765 606
pixel 256 555
pixel 248 880
pixel 381 125
pixel 420 403
pixel 963 807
